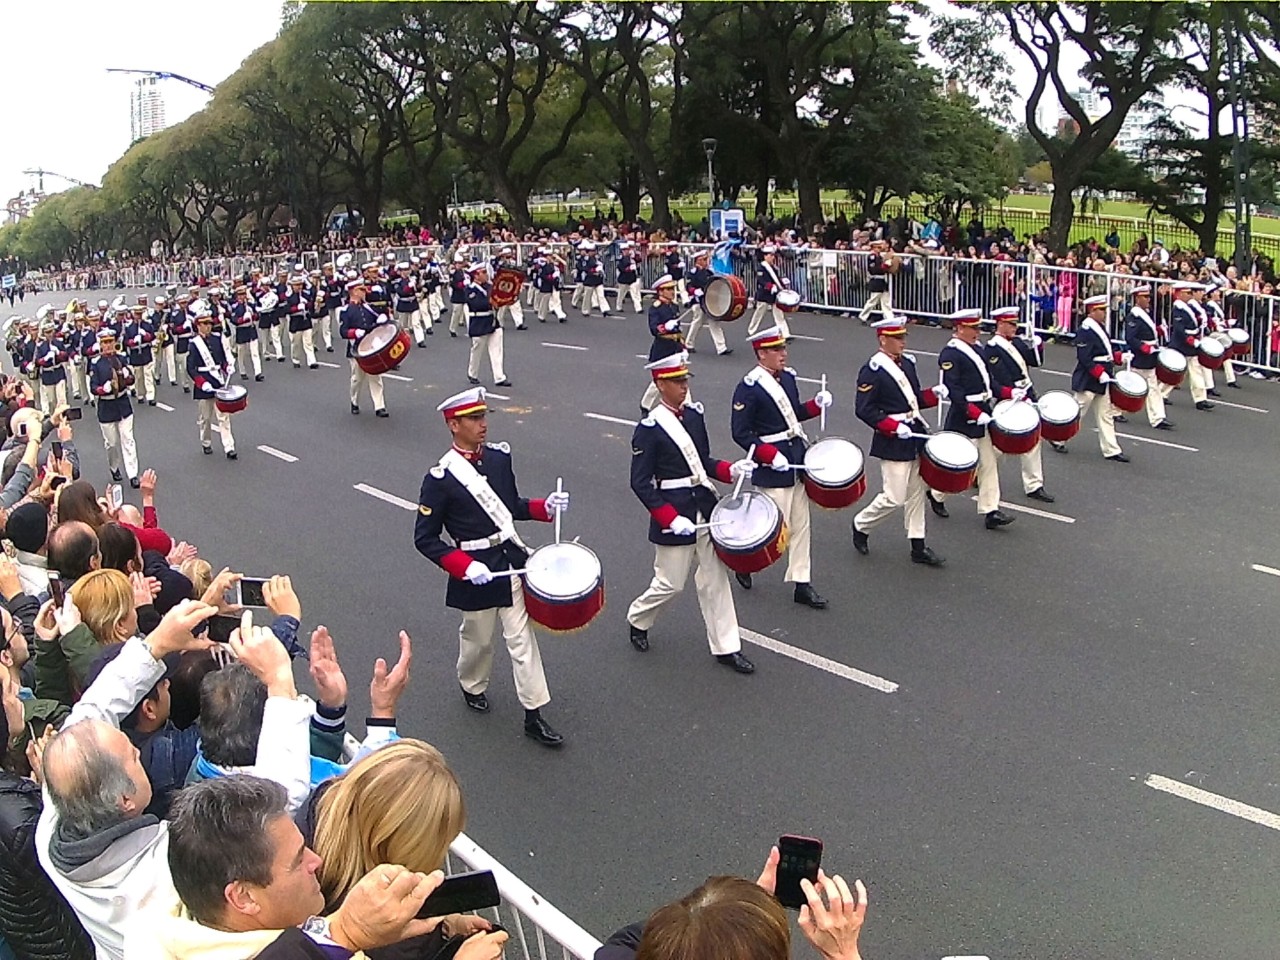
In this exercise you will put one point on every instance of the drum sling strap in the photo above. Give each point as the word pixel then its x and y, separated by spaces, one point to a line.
pixel 478 487
pixel 1146 318
pixel 883 361
pixel 1105 341
pixel 214 371
pixel 674 429
pixel 777 281
pixel 770 385
pixel 1016 354
pixel 969 352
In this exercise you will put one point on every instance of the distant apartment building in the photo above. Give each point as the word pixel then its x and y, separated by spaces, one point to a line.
pixel 1133 132
pixel 146 109
pixel 22 206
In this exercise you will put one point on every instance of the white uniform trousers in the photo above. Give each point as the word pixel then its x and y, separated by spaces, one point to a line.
pixel 713 326
pixel 877 301
pixel 492 343
pixel 435 306
pixel 682 292
pixel 276 344
pixel 631 289
pixel 1032 469
pixel 1156 391
pixel 777 314
pixel 475 650
pixel 1104 415
pixel 69 368
pixel 549 303
pixel 326 324
pixel 209 416
pixel 52 396
pixel 988 477
pixel 529 290
pixel 79 379
pixel 167 357
pixel 594 298
pixel 412 320
pixel 575 298
pixel 1195 378
pixel 359 378
pixel 122 452
pixel 144 381
pixel 710 580
pixel 302 347
pixel 228 351
pixel 458 318
pixel 515 312
pixel 793 502
pixel 246 354
pixel 900 486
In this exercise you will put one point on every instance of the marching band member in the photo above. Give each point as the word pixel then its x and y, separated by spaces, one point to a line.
pixel 1219 324
pixel 76 342
pixel 298 309
pixel 433 282
pixel 220 311
pixel 593 281
pixel 881 261
pixel 182 327
pixel 483 328
pixel 139 336
pixel 1184 336
pixel 164 342
pixel 110 379
pixel 245 321
pixel 1142 339
pixel 90 349
pixel 1095 363
pixel 628 276
pixel 358 318
pixel 506 260
pixel 210 371
pixel 378 297
pixel 332 288
pixel 580 249
pixel 271 319
pixel 471 494
pixel 964 374
pixel 767 414
pixel 404 288
pixel 768 285
pixel 671 471
pixel 547 279
pixel 889 401
pixel 674 265
pixel 664 325
pixel 1008 359
pixel 48 355
pixel 698 281
pixel 458 295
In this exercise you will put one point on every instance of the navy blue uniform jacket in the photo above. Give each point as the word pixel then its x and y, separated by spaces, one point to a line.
pixel 755 415
pixel 966 389
pixel 655 457
pixel 1004 371
pixel 664 344
pixel 881 406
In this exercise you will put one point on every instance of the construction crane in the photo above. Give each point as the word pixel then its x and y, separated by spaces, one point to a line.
pixel 165 75
pixel 43 173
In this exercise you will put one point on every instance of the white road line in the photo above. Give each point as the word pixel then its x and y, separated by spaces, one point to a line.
pixel 601 416
pixel 800 336
pixel 1158 443
pixel 386 497
pixel 496 396
pixel 563 346
pixel 1225 804
pixel 1034 511
pixel 1263 569
pixel 160 404
pixel 642 356
pixel 1239 406
pixel 278 454
pixel 396 376
pixel 822 663
pixel 331 366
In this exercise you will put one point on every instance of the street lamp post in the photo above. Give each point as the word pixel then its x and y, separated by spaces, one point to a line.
pixel 709 147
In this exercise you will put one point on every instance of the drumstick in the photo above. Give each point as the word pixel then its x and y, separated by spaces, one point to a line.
pixel 822 416
pixel 940 401
pixel 559 489
pixel 702 526
pixel 737 487
pixel 509 573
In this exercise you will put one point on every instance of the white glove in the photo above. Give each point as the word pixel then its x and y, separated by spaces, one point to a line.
pixel 478 573
pixel 779 461
pixel 983 419
pixel 1037 341
pixel 1195 344
pixel 903 431
pixel 671 326
pixel 1019 393
pixel 1126 357
pixel 557 501
pixel 941 392
pixel 682 527
pixel 742 468
pixel 823 399
pixel 1105 378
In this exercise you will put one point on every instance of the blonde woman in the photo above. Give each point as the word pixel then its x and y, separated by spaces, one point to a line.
pixel 400 804
pixel 109 604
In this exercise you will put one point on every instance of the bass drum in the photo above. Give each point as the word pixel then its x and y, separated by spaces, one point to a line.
pixel 788 301
pixel 1015 427
pixel 1059 416
pixel 1128 391
pixel 835 473
pixel 949 462
pixel 748 532
pixel 1171 366
pixel 506 287
pixel 725 298
pixel 382 349
pixel 563 586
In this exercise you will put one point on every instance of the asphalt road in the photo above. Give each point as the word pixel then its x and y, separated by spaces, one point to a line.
pixel 996 803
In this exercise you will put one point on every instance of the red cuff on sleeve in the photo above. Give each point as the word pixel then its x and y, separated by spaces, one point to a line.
pixel 723 472
pixel 1148 348
pixel 765 452
pixel 664 515
pixel 1097 370
pixel 1191 341
pixel 1006 393
pixel 1117 356
pixel 811 408
pixel 888 425
pixel 538 511
pixel 975 411
pixel 455 563
pixel 928 398
pixel 199 382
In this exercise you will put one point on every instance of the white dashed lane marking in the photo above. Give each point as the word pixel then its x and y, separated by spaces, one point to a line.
pixel 1214 801
pixel 382 495
pixel 1034 511
pixel 832 667
pixel 1265 569
pixel 278 454
pixel 563 346
pixel 608 419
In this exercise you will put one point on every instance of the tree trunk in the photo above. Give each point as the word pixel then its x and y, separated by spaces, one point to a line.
pixel 762 197
pixel 1062 210
pixel 515 200
pixel 810 196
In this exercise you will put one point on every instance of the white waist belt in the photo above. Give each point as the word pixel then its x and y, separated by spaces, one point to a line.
pixel 977 397
pixel 683 483
pixel 483 543
pixel 775 437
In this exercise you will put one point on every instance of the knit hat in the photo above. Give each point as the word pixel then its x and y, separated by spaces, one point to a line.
pixel 28 527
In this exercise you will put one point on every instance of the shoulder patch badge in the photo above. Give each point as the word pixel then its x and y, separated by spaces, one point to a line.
pixel 424 510
pixel 948 365
pixel 696 405
pixel 502 447
pixel 866 387
pixel 739 406
pixel 437 471
pixel 994 360
pixel 636 451
pixel 648 422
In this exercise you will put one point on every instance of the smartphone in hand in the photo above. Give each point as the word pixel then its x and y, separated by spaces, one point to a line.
pixel 115 496
pixel 798 859
pixel 73 413
pixel 462 893
pixel 57 592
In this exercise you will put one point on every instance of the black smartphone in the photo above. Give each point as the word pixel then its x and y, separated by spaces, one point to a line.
pixel 56 481
pixel 798 859
pixel 56 446
pixel 73 413
pixel 21 431
pixel 57 593
pixel 251 594
pixel 462 893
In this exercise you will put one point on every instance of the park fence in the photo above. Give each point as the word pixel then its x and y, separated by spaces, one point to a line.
pixel 925 288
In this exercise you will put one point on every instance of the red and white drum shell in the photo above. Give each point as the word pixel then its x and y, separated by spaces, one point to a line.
pixel 1014 427
pixel 1239 337
pixel 748 532
pixel 1212 353
pixel 725 298
pixel 1128 390
pixel 949 462
pixel 382 349
pixel 835 473
pixel 1171 366
pixel 231 399
pixel 1059 416
pixel 788 301
pixel 563 586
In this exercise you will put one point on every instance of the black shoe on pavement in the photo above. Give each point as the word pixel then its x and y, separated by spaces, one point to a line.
pixel 1058 445
pixel 186 389
pixel 151 403
pixel 381 413
pixel 135 482
pixel 535 728
pixel 504 383
pixel 244 376
pixel 355 409
pixel 725 352
pixel 926 556
pixel 1039 494
pixel 313 366
pixel 690 350
pixel 1233 385
pixel 422 343
pixel 1164 425
pixel 452 334
pixel 809 597
pixel 279 359
pixel 476 701
pixel 1213 393
pixel 542 319
pixel 231 455
pixel 1204 405
pixel 639 638
pixel 173 383
pixel 860 542
pixel 937 506
pixel 207 450
pixel 260 377
pixel 430 333
pixel 1119 458
pixel 737 661
pixel 117 476
pixel 744 580
pixel 1121 418
pixel 997 518
pixel 297 366
pixel 328 349
pixel 474 381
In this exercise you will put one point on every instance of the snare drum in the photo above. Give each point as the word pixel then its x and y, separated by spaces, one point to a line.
pixel 1015 427
pixel 1239 341
pixel 1171 366
pixel 725 298
pixel 382 349
pixel 563 586
pixel 1059 416
pixel 748 532
pixel 835 473
pixel 1212 353
pixel 788 301
pixel 231 399
pixel 949 462
pixel 1128 390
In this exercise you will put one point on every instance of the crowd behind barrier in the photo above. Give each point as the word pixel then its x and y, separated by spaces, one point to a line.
pixel 926 287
